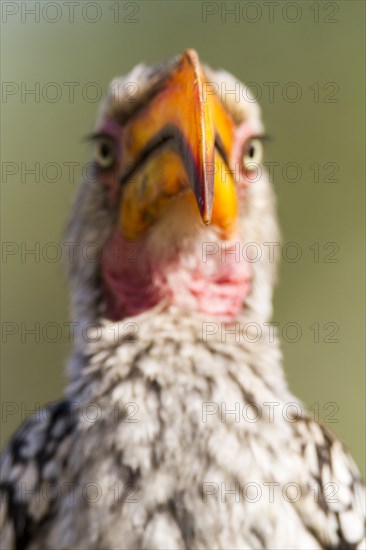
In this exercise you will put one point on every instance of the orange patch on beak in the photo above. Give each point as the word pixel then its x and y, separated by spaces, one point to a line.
pixel 170 146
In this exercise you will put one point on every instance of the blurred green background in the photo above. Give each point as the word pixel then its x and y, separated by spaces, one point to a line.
pixel 311 44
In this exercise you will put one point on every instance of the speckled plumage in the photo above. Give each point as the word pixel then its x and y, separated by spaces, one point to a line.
pixel 145 448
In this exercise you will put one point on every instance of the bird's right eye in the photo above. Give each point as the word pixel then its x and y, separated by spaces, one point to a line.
pixel 104 154
pixel 253 153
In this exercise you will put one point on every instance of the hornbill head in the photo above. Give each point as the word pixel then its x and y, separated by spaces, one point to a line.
pixel 178 205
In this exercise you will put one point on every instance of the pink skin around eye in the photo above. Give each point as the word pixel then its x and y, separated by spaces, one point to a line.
pixel 110 178
pixel 242 134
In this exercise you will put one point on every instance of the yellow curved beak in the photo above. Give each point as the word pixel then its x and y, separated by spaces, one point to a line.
pixel 174 143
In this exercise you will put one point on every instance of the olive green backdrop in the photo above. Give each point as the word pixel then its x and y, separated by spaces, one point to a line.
pixel 318 119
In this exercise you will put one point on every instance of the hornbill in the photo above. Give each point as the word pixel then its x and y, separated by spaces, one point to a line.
pixel 177 429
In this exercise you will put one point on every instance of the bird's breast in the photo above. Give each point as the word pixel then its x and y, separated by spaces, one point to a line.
pixel 173 437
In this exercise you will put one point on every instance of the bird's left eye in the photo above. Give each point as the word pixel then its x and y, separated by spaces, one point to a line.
pixel 104 153
pixel 253 154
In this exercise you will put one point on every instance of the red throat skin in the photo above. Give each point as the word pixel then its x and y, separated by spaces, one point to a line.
pixel 133 284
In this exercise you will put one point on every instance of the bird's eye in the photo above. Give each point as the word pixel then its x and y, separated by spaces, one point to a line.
pixel 104 153
pixel 253 153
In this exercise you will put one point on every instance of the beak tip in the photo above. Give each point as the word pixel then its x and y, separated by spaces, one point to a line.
pixel 206 217
pixel 204 199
